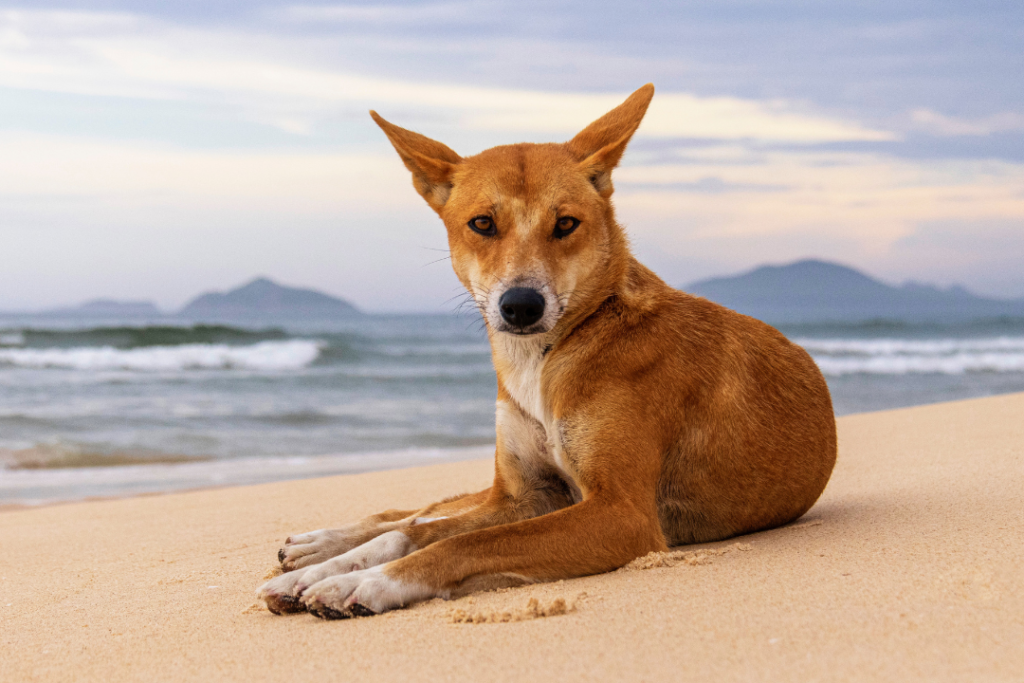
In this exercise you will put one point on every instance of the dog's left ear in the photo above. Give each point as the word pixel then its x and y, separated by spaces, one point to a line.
pixel 431 162
pixel 600 145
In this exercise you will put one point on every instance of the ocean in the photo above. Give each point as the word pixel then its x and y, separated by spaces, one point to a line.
pixel 111 408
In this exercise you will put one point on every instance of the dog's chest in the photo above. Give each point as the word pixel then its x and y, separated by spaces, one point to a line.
pixel 539 439
pixel 522 381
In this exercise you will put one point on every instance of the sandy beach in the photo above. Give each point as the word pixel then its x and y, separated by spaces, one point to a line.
pixel 910 567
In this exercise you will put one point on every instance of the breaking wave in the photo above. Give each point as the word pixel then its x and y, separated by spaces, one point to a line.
pixel 293 354
pixel 63 456
pixel 128 337
pixel 838 357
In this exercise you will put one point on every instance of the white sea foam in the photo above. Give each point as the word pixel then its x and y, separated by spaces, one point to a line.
pixel 928 347
pixel 267 356
pixel 902 365
pixel 838 357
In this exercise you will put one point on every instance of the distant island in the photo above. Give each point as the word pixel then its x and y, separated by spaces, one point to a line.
pixel 814 291
pixel 266 301
pixel 261 301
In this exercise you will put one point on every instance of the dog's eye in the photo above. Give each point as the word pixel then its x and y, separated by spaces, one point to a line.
pixel 483 225
pixel 565 225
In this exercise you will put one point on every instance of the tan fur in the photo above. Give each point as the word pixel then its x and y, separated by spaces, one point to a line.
pixel 637 418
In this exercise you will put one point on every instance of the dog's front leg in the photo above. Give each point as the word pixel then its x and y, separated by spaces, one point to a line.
pixel 281 594
pixel 519 492
pixel 604 532
pixel 393 540
pixel 315 547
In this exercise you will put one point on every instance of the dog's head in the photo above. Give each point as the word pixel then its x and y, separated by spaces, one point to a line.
pixel 530 226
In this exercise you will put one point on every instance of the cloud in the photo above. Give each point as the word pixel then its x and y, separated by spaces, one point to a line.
pixel 154 175
pixel 673 115
pixel 376 14
pixel 703 185
pixel 119 55
pixel 939 124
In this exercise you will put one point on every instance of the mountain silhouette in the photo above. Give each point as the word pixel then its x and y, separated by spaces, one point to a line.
pixel 265 300
pixel 821 291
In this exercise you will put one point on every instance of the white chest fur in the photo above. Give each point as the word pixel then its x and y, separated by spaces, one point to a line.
pixel 522 362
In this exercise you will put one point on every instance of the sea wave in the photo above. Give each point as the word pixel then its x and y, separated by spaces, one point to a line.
pixel 928 347
pixel 837 357
pixel 63 456
pixel 130 337
pixel 293 354
pixel 903 365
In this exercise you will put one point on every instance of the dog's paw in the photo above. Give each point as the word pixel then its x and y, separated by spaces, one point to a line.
pixel 361 593
pixel 304 550
pixel 281 594
pixel 385 548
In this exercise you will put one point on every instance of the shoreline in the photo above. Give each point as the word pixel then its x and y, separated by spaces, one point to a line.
pixel 127 481
pixel 309 466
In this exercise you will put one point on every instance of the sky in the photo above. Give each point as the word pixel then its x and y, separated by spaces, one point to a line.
pixel 156 150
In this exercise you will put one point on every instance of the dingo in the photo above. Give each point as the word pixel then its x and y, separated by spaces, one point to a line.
pixel 630 416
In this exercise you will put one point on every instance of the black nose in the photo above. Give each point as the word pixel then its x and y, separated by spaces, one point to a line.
pixel 521 306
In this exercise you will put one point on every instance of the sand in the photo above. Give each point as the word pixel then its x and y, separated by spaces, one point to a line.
pixel 910 568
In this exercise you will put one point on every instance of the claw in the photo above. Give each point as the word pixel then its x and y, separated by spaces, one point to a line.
pixel 283 604
pixel 324 612
pixel 280 555
pixel 358 610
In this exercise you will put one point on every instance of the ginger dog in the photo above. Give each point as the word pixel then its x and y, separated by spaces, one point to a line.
pixel 630 416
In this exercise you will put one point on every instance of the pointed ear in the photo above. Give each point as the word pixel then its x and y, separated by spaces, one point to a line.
pixel 431 163
pixel 600 145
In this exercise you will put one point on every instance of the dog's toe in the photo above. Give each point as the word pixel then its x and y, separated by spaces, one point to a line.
pixel 329 613
pixel 304 550
pixel 283 604
pixel 358 610
pixel 362 594
pixel 327 599
pixel 282 593
pixel 322 611
pixel 298 557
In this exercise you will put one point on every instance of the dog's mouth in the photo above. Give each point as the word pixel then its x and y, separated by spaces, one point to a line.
pixel 522 331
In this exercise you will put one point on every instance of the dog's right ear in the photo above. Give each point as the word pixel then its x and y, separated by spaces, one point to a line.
pixel 600 145
pixel 431 163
